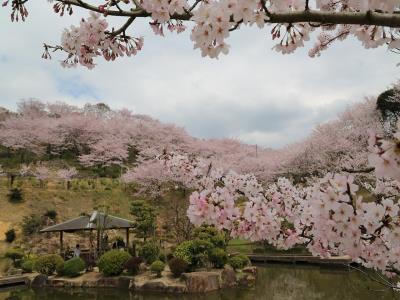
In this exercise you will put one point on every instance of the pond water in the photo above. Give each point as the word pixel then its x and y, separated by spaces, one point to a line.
pixel 275 282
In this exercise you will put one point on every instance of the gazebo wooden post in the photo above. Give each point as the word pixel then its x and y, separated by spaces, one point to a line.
pixel 61 244
pixel 127 239
pixel 98 241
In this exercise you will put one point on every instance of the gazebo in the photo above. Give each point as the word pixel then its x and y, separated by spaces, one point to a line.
pixel 97 221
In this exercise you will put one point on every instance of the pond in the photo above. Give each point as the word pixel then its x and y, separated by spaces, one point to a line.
pixel 275 282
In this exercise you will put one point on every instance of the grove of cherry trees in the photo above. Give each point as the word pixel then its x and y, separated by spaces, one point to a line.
pixel 324 202
pixel 291 23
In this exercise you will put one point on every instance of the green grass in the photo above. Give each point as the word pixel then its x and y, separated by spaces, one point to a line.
pixel 247 247
pixel 241 246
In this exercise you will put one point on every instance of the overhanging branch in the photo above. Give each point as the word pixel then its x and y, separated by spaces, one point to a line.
pixel 321 17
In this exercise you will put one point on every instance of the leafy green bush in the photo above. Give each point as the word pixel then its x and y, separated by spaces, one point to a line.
pixel 28 264
pixel 177 266
pixel 194 252
pixel 218 257
pixel 10 235
pixel 239 261
pixel 201 250
pixel 73 267
pixel 132 265
pixel 211 234
pixel 150 252
pixel 112 263
pixel 15 254
pixel 31 224
pixel 184 252
pixel 48 264
pixel 157 267
pixel 15 195
pixel 51 214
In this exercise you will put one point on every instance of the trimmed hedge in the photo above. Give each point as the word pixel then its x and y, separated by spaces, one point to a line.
pixel 239 261
pixel 218 257
pixel 150 252
pixel 73 267
pixel 133 264
pixel 112 263
pixel 157 267
pixel 48 264
pixel 177 266
pixel 15 254
pixel 27 265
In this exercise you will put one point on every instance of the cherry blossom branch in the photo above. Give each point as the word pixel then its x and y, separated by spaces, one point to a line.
pixel 382 282
pixel 323 17
pixel 123 28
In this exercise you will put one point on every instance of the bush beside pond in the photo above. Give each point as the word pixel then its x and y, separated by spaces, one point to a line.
pixel 177 266
pixel 48 264
pixel 73 267
pixel 239 261
pixel 157 267
pixel 112 263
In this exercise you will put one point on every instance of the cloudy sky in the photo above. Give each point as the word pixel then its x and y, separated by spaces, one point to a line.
pixel 254 93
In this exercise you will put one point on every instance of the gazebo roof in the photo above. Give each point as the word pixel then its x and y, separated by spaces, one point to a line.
pixel 95 221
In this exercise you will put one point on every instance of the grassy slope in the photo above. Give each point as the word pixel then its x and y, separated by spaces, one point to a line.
pixel 67 203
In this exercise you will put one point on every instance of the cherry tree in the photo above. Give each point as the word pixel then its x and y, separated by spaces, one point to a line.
pixel 374 23
pixel 67 175
pixel 329 217
pixel 42 173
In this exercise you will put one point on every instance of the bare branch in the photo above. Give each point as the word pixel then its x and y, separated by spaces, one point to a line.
pixel 366 170
pixel 124 27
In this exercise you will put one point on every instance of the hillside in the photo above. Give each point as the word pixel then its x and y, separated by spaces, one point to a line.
pixel 84 196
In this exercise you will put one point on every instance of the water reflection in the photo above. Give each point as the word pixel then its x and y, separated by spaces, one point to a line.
pixel 275 282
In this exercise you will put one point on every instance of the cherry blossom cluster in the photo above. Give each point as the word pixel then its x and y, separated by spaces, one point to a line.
pixel 42 173
pixel 330 217
pixel 162 10
pixel 90 39
pixel 67 174
pixel 385 155
pixel 214 20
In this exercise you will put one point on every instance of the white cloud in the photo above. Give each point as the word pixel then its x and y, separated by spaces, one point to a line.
pixel 253 93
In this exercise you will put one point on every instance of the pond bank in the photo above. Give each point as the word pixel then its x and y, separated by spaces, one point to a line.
pixel 274 281
pixel 194 282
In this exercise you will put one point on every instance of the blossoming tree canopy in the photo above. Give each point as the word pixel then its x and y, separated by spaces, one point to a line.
pixel 373 22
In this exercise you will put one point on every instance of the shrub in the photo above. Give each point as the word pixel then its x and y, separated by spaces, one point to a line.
pixel 28 265
pixel 14 254
pixel 194 252
pixel 157 267
pixel 73 267
pixel 218 257
pixel 150 252
pixel 48 264
pixel 211 234
pixel 184 251
pixel 132 265
pixel 15 195
pixel 10 235
pixel 177 266
pixel 239 261
pixel 112 263
pixel 201 250
pixel 31 224
pixel 51 214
